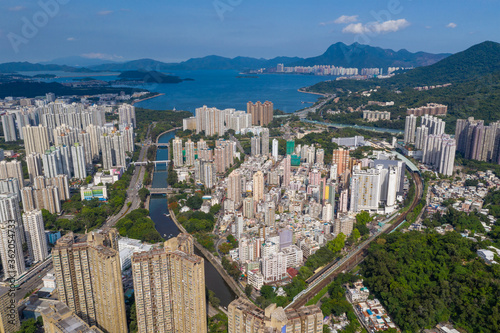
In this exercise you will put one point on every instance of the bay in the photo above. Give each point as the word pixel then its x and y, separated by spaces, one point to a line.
pixel 229 89
pixel 215 88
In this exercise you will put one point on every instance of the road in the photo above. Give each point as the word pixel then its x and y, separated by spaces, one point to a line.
pixel 303 113
pixel 35 282
pixel 134 187
pixel 132 192
pixel 356 256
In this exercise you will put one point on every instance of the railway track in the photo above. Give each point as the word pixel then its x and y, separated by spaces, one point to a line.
pixel 328 273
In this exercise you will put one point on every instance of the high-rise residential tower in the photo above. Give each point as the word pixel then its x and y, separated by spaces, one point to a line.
pixel 410 126
pixel 169 286
pixel 258 186
pixel 35 235
pixel 79 165
pixel 275 149
pixel 177 152
pixel 36 139
pixel 126 114
pixel 89 279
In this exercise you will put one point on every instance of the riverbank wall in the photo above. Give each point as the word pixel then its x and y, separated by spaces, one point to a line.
pixel 210 257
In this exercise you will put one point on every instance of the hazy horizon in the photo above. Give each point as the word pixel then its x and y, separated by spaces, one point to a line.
pixel 172 32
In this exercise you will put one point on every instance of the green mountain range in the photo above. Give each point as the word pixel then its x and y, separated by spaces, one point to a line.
pixel 338 54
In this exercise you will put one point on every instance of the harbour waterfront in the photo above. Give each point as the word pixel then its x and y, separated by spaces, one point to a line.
pixel 214 88
pixel 158 207
pixel 228 89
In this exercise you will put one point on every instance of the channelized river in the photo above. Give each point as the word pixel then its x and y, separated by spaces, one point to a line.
pixel 158 207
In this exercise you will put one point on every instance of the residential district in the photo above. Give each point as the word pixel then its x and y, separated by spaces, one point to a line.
pixel 281 201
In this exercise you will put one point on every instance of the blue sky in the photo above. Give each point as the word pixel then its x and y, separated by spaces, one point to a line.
pixel 170 30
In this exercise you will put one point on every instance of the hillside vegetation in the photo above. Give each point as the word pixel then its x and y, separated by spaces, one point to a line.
pixel 425 279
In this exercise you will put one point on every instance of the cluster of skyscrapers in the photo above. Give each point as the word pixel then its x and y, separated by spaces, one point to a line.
pixel 438 149
pixel 318 70
pixel 477 141
pixel 377 186
pixel 207 162
pixel 16 230
pixel 169 284
pixel 46 193
pixel 432 109
pixel 213 121
pixel 262 113
pixel 260 143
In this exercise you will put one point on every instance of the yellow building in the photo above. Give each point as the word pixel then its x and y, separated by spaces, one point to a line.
pixel 9 317
pixel 247 317
pixel 58 318
pixel 169 287
pixel 89 279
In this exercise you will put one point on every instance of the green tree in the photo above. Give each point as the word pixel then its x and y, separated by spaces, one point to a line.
pixel 267 292
pixel 31 325
pixel 225 247
pixel 194 202
pixel 337 243
pixel 172 178
pixel 354 236
pixel 143 194
pixel 248 290
pixel 215 209
pixel 363 218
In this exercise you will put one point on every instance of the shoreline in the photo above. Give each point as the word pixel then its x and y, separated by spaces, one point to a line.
pixel 170 130
pixel 310 92
pixel 145 99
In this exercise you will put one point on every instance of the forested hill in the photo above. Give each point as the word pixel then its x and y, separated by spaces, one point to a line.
pixel 360 56
pixel 425 279
pixel 475 62
pixel 475 90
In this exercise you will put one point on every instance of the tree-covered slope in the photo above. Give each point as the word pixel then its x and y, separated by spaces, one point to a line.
pixel 425 279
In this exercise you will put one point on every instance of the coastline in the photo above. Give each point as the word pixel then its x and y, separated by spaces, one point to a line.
pixel 313 93
pixel 145 99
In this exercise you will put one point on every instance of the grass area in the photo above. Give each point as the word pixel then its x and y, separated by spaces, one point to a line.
pixel 318 296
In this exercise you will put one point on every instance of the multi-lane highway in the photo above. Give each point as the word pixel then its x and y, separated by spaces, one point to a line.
pixel 133 201
pixel 132 192
pixel 35 281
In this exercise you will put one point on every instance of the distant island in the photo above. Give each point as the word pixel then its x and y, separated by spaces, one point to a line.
pixel 149 77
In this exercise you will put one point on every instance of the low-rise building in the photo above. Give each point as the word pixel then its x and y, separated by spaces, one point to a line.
pixel 94 192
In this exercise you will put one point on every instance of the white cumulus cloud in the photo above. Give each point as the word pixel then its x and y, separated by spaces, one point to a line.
pixel 451 25
pixel 346 19
pixel 355 28
pixel 376 27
